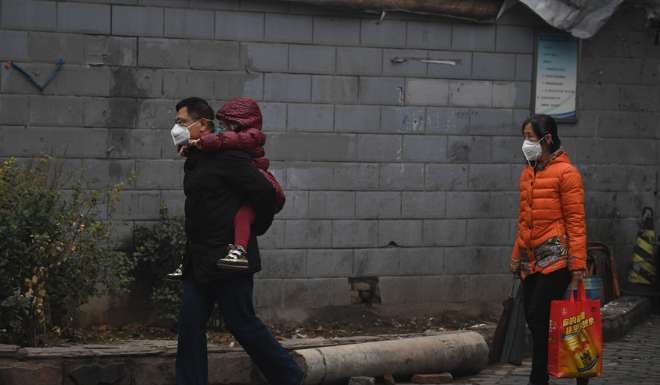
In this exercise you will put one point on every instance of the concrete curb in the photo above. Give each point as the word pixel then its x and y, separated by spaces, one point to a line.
pixel 622 315
pixel 152 362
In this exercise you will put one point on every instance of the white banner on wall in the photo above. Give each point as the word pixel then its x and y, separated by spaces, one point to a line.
pixel 556 76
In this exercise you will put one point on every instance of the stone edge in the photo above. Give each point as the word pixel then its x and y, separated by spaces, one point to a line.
pixel 618 318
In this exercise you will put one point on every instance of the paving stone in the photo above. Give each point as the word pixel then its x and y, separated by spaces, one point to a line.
pixel 630 360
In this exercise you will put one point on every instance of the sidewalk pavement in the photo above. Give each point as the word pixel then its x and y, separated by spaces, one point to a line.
pixel 632 360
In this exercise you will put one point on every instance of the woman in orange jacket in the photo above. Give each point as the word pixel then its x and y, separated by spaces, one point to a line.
pixel 550 249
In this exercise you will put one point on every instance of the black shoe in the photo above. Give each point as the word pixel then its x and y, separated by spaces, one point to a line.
pixel 236 259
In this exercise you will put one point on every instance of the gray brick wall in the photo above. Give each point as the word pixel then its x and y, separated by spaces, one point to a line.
pixel 393 167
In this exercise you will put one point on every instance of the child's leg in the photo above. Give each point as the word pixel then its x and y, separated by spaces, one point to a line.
pixel 242 223
pixel 280 199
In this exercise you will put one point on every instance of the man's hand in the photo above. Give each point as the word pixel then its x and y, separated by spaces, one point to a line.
pixel 196 143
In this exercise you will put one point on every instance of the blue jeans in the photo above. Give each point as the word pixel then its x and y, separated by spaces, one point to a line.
pixel 234 296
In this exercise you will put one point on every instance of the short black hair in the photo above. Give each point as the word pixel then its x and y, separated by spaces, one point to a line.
pixel 197 108
pixel 542 126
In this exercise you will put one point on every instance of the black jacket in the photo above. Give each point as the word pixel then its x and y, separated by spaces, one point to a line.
pixel 216 185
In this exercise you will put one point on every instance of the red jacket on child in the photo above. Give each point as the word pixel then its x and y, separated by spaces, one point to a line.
pixel 245 115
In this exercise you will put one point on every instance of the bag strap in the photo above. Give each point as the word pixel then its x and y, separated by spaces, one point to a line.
pixel 515 287
pixel 581 293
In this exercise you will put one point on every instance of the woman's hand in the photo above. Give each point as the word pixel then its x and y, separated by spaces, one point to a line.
pixel 576 277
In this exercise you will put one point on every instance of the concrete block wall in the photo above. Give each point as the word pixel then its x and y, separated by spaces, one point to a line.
pixel 394 168
pixel 617 141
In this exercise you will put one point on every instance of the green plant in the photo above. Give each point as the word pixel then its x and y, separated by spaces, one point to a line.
pixel 55 251
pixel 158 251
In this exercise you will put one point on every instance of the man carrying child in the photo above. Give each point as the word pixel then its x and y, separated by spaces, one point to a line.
pixel 222 179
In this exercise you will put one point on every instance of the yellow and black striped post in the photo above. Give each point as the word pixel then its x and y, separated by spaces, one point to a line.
pixel 643 265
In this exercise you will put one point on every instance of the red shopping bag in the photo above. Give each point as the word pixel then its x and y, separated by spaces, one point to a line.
pixel 575 344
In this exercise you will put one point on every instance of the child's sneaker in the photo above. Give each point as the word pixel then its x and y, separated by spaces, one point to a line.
pixel 236 259
pixel 177 274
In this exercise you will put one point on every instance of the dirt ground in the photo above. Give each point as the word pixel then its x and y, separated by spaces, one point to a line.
pixel 363 323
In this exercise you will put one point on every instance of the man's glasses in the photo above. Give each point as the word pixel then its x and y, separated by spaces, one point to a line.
pixel 184 123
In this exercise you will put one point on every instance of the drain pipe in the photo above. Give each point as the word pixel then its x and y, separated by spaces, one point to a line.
pixel 455 352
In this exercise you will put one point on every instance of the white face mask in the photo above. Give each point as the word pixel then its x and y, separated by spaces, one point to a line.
pixel 180 134
pixel 532 150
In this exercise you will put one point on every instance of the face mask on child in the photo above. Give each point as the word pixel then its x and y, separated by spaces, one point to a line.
pixel 180 134
pixel 532 150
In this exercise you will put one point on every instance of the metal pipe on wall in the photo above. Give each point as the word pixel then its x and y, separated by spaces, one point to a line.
pixel 480 10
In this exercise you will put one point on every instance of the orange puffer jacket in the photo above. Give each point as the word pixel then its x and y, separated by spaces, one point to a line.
pixel 551 210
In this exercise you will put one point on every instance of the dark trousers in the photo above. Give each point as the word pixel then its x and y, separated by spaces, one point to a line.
pixel 539 291
pixel 234 296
